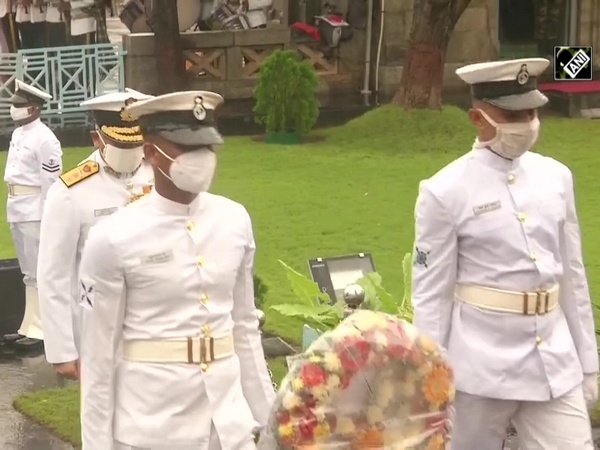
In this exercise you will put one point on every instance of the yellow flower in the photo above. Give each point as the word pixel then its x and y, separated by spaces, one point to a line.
pixel 366 320
pixel 320 392
pixel 384 394
pixel 344 426
pixel 315 359
pixel 332 362
pixel 286 430
pixel 290 401
pixel 374 415
pixel 428 345
pixel 322 430
pixel 333 382
pixel 297 384
pixel 407 389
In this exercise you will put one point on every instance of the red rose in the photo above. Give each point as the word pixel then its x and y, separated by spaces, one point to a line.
pixel 313 375
pixel 283 417
pixel 307 427
pixel 353 353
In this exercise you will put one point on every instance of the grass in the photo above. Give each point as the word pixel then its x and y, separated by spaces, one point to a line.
pixel 58 409
pixel 355 192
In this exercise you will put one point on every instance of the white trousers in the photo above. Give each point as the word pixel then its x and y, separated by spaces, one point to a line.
pixel 557 424
pixel 26 240
pixel 213 444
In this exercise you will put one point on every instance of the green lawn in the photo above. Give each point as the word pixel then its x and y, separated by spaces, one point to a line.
pixel 355 192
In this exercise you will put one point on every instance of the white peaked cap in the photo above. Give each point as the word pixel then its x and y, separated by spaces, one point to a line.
pixel 510 85
pixel 184 118
pixel 115 101
pixel 25 93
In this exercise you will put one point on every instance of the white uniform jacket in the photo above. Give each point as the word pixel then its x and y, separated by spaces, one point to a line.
pixel 67 218
pixel 34 159
pixel 159 269
pixel 487 221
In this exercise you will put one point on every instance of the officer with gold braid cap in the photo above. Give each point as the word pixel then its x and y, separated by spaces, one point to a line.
pixel 499 279
pixel 113 176
pixel 167 288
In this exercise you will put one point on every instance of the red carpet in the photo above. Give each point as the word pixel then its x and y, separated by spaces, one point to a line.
pixel 571 87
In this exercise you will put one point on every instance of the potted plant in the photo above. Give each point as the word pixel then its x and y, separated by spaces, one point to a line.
pixel 285 94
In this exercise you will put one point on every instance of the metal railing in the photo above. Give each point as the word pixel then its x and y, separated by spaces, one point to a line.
pixel 70 74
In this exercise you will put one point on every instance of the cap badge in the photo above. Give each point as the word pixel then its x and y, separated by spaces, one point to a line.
pixel 523 75
pixel 199 111
pixel 126 116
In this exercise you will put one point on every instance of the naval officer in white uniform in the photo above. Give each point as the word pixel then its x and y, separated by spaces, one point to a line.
pixel 113 176
pixel 499 278
pixel 33 163
pixel 171 353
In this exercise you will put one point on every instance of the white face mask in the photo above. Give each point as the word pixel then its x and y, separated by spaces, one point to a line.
pixel 512 139
pixel 122 160
pixel 19 113
pixel 192 171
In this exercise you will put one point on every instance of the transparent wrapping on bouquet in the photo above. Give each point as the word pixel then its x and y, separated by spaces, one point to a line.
pixel 374 382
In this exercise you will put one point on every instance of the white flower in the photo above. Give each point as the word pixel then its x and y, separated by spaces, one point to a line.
pixel 290 401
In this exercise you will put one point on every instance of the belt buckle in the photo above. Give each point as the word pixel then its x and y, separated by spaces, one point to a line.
pixel 540 297
pixel 11 189
pixel 207 351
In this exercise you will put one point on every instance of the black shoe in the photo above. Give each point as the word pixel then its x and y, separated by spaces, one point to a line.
pixel 26 343
pixel 12 338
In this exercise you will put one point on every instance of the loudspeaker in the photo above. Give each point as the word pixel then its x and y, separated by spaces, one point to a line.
pixel 12 297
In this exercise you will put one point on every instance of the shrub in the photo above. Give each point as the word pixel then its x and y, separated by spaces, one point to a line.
pixel 285 94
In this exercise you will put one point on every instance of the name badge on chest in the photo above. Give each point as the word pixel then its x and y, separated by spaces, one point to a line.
pixel 105 211
pixel 158 258
pixel 487 207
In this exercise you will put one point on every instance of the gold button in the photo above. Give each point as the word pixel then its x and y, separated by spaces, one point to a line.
pixel 200 260
pixel 511 179
pixel 203 367
pixel 204 298
pixel 206 329
pixel 533 257
pixel 522 217
pixel 538 340
pixel 190 225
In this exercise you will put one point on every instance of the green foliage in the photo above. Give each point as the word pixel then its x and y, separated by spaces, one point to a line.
pixel 260 291
pixel 313 306
pixel 286 94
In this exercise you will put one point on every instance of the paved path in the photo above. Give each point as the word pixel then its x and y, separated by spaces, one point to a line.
pixel 18 376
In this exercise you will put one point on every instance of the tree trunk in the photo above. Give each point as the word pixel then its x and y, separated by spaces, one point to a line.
pixel 167 47
pixel 432 25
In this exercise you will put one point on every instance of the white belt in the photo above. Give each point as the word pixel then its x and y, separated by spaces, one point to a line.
pixel 527 303
pixel 197 350
pixel 15 189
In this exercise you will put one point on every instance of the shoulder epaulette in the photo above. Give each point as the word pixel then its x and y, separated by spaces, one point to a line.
pixel 79 173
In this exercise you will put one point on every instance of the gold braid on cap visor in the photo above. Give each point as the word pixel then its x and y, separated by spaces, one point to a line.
pixel 126 135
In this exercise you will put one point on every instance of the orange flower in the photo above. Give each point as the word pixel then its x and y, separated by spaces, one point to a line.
pixel 436 442
pixel 371 439
pixel 437 385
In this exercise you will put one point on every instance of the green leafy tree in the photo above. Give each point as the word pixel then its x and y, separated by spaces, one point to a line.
pixel 286 94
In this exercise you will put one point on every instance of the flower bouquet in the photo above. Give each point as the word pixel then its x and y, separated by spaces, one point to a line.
pixel 373 382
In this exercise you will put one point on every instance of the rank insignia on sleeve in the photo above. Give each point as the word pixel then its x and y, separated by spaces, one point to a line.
pixel 79 173
pixel 421 257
